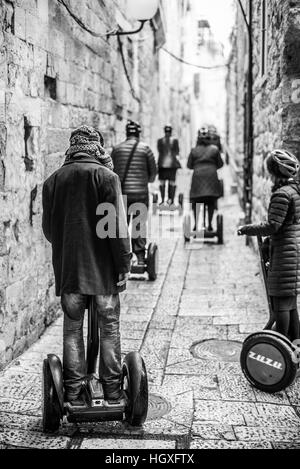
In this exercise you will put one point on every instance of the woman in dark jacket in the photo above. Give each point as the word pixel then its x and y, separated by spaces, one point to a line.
pixel 283 226
pixel 205 160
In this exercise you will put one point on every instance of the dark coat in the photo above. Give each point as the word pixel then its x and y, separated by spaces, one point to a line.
pixel 283 226
pixel 168 151
pixel 205 161
pixel 82 262
pixel 142 169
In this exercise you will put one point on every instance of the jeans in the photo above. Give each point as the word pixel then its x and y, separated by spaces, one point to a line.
pixel 74 363
pixel 138 238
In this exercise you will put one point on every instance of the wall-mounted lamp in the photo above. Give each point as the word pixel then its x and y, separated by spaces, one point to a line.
pixel 140 10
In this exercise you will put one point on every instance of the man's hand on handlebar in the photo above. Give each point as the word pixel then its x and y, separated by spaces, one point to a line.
pixel 123 279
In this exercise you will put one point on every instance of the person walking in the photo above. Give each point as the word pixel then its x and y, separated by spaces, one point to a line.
pixel 168 164
pixel 205 160
pixel 87 267
pixel 283 227
pixel 134 162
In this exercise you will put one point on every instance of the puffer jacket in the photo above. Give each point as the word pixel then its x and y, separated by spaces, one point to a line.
pixel 142 168
pixel 283 226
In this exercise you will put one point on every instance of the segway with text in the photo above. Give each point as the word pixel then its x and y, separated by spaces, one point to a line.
pixel 268 359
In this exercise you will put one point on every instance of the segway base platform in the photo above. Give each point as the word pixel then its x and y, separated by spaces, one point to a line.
pixel 166 207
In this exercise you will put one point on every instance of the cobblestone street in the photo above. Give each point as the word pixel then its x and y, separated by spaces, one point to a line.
pixel 198 396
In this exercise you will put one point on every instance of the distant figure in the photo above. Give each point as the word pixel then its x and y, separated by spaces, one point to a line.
pixel 134 162
pixel 168 164
pixel 205 160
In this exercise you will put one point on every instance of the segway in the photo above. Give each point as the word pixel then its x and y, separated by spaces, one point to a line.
pixel 204 233
pixel 134 384
pixel 268 359
pixel 166 207
pixel 150 266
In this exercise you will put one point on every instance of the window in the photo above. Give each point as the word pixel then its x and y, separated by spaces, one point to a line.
pixel 264 37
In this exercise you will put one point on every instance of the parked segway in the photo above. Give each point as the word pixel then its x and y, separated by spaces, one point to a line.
pixel 203 233
pixel 151 263
pixel 268 359
pixel 166 207
pixel 134 384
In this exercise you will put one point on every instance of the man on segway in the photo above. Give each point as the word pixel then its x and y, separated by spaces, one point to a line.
pixel 135 164
pixel 85 266
pixel 168 164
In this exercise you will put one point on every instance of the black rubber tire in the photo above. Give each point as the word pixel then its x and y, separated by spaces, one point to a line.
pixel 51 407
pixel 286 350
pixel 152 262
pixel 220 229
pixel 135 376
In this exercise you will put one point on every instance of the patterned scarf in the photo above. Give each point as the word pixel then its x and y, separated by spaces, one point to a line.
pixel 88 140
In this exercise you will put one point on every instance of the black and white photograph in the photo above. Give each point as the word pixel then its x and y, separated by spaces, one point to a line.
pixel 149 227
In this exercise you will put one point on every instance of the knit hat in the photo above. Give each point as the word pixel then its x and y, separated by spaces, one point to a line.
pixel 90 141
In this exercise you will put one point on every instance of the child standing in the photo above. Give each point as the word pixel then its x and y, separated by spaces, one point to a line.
pixel 283 227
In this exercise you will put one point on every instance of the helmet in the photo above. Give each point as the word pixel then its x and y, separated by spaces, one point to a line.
pixel 283 163
pixel 168 129
pixel 133 129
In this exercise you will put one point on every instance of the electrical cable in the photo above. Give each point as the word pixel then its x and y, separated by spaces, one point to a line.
pixel 191 64
pixel 93 33
pixel 126 71
pixel 82 25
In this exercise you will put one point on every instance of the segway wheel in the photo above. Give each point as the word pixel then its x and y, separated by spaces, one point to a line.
pixel 152 262
pixel 51 407
pixel 220 229
pixel 180 203
pixel 187 228
pixel 268 362
pixel 135 385
pixel 155 204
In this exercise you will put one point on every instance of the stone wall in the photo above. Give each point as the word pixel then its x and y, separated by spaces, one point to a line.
pixel 276 94
pixel 55 76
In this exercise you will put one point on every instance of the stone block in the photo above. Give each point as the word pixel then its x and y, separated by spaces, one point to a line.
pixel 20 22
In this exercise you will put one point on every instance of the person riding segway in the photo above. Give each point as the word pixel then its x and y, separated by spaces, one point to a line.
pixel 134 162
pixel 205 160
pixel 90 272
pixel 268 358
pixel 168 165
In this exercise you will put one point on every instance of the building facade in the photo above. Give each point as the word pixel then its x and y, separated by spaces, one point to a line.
pixel 276 90
pixel 54 76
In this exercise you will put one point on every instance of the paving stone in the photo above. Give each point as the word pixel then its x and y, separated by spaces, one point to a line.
pixel 290 445
pixel 32 440
pixel 198 384
pixel 20 406
pixel 221 444
pixel 271 415
pixel 227 413
pixel 234 387
pixel 277 398
pixel 120 444
pixel 17 385
pixel 193 367
pixel 213 432
pixel 23 422
pixel 279 434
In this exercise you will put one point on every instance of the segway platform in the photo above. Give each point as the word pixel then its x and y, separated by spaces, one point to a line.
pixel 134 385
pixel 268 359
pixel 166 207
pixel 151 264
pixel 204 233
